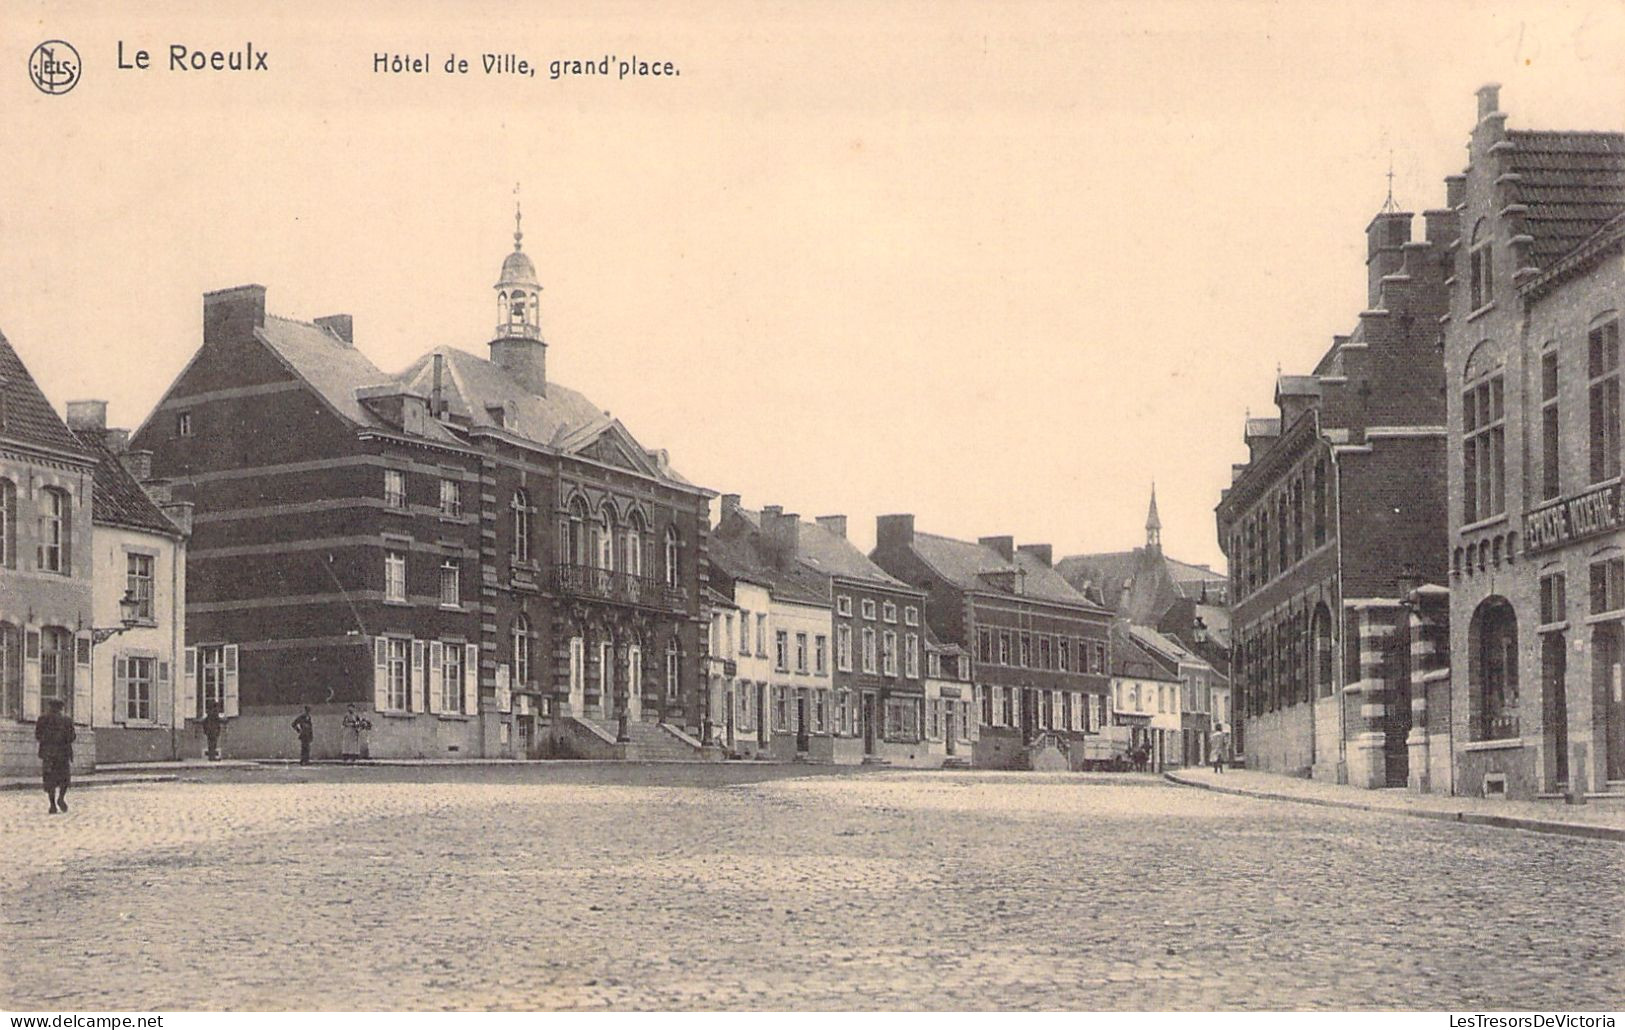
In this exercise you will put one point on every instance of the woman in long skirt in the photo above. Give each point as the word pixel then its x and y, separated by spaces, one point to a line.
pixel 352 735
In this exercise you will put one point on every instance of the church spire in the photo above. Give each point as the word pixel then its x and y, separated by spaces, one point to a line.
pixel 1153 524
pixel 518 218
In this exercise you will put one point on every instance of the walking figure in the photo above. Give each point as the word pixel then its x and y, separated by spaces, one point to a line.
pixel 212 725
pixel 352 735
pixel 307 733
pixel 54 731
pixel 1218 755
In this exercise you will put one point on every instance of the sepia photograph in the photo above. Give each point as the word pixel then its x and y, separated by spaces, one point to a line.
pixel 911 508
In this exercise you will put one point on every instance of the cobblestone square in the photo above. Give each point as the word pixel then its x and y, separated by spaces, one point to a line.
pixel 701 887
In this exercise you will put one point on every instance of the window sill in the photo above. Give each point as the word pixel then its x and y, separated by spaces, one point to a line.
pixel 393 602
pixel 1473 527
pixel 1610 616
pixel 1553 627
pixel 136 724
pixel 399 715
pixel 1504 744
pixel 452 607
pixel 1476 313
pixel 453 717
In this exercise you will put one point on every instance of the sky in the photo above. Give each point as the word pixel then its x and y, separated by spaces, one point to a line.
pixel 999 265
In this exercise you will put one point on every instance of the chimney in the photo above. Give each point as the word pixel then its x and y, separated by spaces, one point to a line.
pixel 116 440
pixel 1385 239
pixel 137 464
pixel 1004 545
pixel 232 315
pixel 180 513
pixel 1489 99
pixel 730 502
pixel 524 360
pixel 783 532
pixel 834 523
pixel 341 327
pixel 1455 191
pixel 1043 552
pixel 437 393
pixel 894 531
pixel 87 415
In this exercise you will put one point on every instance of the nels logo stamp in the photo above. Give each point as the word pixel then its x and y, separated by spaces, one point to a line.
pixel 54 66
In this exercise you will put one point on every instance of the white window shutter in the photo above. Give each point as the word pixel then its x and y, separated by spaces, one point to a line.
pixel 163 696
pixel 436 656
pixel 231 680
pixel 380 673
pixel 471 679
pixel 121 686
pixel 31 675
pixel 81 681
pixel 188 708
pixel 417 681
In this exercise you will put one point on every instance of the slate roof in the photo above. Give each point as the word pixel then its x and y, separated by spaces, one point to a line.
pixel 1165 645
pixel 743 557
pixel 28 416
pixel 118 500
pixel 1129 658
pixel 1572 184
pixel 1107 571
pixel 966 564
pixel 334 369
pixel 563 418
pixel 829 553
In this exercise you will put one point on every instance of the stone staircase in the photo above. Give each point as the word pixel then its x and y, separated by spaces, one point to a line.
pixel 652 742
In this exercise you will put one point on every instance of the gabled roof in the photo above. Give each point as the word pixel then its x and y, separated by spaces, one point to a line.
pixel 562 419
pixel 742 556
pixel 25 415
pixel 1132 660
pixel 334 369
pixel 1165 645
pixel 1108 573
pixel 971 566
pixel 118 500
pixel 1571 183
pixel 828 553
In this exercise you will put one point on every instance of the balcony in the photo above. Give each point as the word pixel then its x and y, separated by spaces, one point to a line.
pixel 619 587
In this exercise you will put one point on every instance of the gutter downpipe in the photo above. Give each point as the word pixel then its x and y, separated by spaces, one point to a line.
pixel 1339 670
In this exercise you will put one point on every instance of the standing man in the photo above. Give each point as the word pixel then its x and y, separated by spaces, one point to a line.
pixel 302 726
pixel 54 731
pixel 212 724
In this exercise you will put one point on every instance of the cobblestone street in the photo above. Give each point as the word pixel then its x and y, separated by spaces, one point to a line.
pixel 656 887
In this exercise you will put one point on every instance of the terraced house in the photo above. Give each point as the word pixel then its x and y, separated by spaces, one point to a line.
pixel 1038 648
pixel 484 562
pixel 1335 519
pixel 1534 692
pixel 46 486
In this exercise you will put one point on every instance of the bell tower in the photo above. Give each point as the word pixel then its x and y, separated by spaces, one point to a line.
pixel 517 346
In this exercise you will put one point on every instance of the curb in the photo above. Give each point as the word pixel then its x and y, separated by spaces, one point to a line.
pixel 1589 831
pixel 80 784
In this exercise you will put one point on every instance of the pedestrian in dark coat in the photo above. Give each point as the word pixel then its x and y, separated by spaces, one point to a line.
pixel 212 724
pixel 307 733
pixel 54 731
pixel 352 734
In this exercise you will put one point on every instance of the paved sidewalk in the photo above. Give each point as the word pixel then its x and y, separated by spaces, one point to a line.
pixel 1599 820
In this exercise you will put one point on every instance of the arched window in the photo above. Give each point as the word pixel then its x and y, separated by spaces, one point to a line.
pixel 573 543
pixel 521 525
pixel 55 531
pixel 521 650
pixel 632 547
pixel 1321 518
pixel 8 524
pixel 604 539
pixel 671 556
pixel 1323 654
pixel 1493 670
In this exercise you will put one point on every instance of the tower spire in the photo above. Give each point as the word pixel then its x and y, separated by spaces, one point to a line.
pixel 1153 524
pixel 518 217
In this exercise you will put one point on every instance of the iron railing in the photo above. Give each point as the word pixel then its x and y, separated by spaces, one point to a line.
pixel 611 585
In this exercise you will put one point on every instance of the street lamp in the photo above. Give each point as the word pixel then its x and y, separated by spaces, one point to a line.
pixel 129 609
